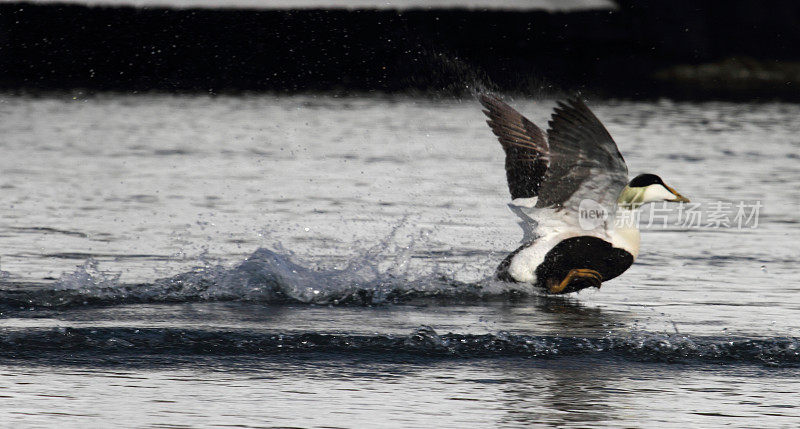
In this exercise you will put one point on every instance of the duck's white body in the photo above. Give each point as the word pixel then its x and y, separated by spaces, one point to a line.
pixel 553 227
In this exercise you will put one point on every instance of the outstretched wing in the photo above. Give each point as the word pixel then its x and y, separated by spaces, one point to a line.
pixel 584 161
pixel 525 146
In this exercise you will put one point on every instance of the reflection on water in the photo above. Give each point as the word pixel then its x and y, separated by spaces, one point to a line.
pixel 571 315
pixel 566 392
pixel 344 392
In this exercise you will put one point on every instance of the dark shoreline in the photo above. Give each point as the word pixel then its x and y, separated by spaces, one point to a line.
pixel 683 49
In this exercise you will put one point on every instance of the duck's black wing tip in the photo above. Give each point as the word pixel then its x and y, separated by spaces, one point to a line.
pixel 525 145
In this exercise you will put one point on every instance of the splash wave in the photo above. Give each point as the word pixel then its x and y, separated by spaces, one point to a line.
pixel 116 341
pixel 265 276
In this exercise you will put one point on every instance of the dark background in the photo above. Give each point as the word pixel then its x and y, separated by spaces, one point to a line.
pixel 681 48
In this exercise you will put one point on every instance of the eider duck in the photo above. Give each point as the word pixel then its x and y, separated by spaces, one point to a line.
pixel 570 188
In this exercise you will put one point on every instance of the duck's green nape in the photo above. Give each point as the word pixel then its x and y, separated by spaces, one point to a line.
pixel 631 198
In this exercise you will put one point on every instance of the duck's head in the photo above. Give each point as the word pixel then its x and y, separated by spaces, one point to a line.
pixel 648 188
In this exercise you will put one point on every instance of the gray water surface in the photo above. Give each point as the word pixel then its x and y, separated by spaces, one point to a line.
pixel 324 262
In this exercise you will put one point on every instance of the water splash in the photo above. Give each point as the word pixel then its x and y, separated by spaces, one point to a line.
pixel 382 273
pixel 90 280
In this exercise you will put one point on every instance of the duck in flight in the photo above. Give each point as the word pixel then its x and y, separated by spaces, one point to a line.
pixel 570 188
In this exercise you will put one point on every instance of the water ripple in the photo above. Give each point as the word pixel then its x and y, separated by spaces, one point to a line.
pixel 641 346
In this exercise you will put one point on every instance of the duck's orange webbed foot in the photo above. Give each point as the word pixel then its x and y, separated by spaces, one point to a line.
pixel 576 274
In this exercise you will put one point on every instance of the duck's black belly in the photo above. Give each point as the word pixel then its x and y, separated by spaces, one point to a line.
pixel 577 252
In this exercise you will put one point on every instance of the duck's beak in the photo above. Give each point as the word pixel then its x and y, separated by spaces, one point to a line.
pixel 678 197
